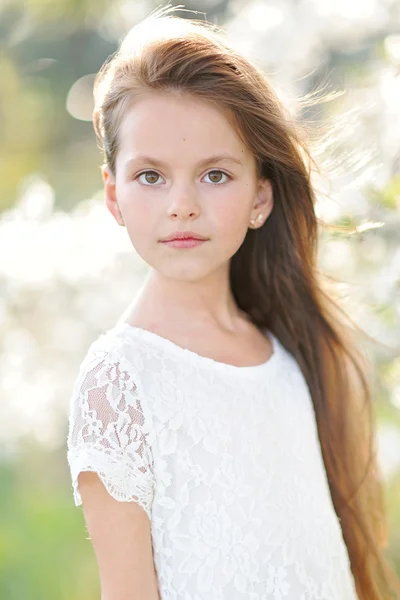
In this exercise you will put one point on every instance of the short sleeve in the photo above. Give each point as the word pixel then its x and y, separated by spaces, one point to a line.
pixel 109 433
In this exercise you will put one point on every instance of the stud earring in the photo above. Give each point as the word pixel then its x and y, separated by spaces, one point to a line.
pixel 256 220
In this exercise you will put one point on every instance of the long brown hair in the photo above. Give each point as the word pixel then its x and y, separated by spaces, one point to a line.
pixel 274 275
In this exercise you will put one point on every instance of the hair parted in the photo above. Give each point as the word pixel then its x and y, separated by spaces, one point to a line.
pixel 274 275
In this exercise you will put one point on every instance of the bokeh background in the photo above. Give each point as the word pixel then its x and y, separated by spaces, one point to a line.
pixel 67 271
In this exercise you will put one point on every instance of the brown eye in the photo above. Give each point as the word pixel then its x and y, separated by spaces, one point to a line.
pixel 215 176
pixel 150 176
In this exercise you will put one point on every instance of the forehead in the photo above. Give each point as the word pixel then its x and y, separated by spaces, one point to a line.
pixel 178 127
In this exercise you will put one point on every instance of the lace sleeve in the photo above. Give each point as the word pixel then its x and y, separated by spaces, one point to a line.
pixel 108 431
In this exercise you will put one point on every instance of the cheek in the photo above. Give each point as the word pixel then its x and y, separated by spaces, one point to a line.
pixel 230 216
pixel 139 214
pixel 230 227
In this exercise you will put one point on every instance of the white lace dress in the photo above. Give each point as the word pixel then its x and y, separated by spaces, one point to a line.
pixel 225 461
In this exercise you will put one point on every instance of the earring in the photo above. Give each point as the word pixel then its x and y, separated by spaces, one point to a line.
pixel 258 218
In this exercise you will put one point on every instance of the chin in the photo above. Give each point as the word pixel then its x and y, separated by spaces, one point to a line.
pixel 188 273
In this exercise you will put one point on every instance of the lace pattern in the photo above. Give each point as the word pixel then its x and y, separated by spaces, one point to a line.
pixel 108 431
pixel 225 461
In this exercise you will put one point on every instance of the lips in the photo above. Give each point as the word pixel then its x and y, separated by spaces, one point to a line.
pixel 184 235
pixel 183 243
pixel 174 239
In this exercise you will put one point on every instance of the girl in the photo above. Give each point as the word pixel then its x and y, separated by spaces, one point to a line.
pixel 219 437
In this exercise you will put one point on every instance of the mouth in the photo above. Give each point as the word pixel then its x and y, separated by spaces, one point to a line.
pixel 184 235
pixel 188 237
pixel 188 242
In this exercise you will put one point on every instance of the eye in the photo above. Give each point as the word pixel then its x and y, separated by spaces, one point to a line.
pixel 218 173
pixel 150 177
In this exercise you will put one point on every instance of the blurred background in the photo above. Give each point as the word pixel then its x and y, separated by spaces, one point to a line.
pixel 68 271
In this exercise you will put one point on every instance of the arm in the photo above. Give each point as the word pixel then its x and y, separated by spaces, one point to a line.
pixel 121 538
pixel 111 463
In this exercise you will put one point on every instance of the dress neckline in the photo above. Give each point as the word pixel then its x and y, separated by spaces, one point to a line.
pixel 200 359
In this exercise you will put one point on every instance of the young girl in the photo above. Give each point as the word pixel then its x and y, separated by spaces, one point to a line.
pixel 217 440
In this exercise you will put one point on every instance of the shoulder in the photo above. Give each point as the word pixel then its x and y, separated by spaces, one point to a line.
pixel 111 368
pixel 121 347
pixel 121 361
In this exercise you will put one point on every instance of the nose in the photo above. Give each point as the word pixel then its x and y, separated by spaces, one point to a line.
pixel 183 201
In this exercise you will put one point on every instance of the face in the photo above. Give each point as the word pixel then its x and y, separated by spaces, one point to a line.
pixel 167 180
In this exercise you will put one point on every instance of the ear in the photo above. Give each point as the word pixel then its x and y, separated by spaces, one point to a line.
pixel 264 201
pixel 110 194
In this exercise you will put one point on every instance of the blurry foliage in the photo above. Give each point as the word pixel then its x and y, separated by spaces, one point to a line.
pixel 45 551
pixel 46 47
pixel 54 303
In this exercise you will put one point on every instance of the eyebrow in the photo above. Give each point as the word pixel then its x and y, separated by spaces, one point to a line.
pixel 206 161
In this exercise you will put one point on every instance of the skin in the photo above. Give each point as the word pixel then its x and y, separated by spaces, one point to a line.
pixel 187 295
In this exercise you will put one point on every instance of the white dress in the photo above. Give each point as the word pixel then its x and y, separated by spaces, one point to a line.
pixel 225 460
